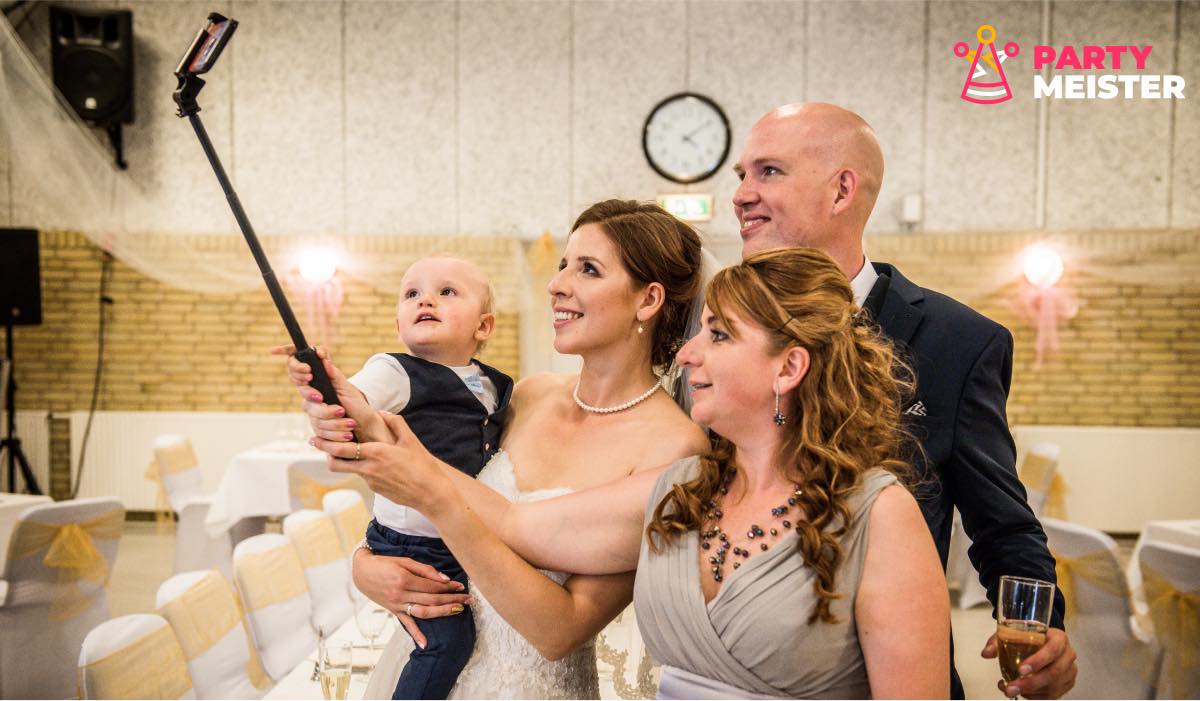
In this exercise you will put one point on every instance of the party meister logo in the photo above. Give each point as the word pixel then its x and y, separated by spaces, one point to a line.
pixel 987 83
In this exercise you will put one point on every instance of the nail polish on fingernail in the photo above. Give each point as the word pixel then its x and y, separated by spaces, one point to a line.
pixel 1025 669
pixel 1012 692
pixel 456 609
pixel 443 577
pixel 352 423
pixel 348 436
pixel 312 441
pixel 422 645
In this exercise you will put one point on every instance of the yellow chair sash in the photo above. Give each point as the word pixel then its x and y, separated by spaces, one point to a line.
pixel 352 525
pixel 310 492
pixel 316 542
pixel 1176 617
pixel 254 668
pixel 270 577
pixel 175 458
pixel 70 550
pixel 204 614
pixel 1035 472
pixel 1096 568
pixel 163 513
pixel 152 667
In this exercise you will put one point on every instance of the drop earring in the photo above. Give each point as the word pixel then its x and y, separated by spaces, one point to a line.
pixel 640 329
pixel 779 418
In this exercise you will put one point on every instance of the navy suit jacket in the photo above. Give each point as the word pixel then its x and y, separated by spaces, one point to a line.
pixel 963 366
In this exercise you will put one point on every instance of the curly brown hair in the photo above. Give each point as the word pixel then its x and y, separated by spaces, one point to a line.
pixel 657 247
pixel 843 418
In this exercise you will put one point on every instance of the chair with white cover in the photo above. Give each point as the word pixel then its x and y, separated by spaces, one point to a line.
pixel 326 568
pixel 1113 655
pixel 133 657
pixel 1171 578
pixel 179 475
pixel 270 579
pixel 311 479
pixel 1038 471
pixel 52 593
pixel 350 515
pixel 203 611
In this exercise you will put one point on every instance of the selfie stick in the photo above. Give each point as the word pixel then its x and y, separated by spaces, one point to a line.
pixel 200 57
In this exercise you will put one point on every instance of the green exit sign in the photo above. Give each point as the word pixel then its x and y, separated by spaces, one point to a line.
pixel 688 206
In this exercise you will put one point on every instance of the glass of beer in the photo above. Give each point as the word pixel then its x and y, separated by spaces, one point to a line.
pixel 1021 621
pixel 336 659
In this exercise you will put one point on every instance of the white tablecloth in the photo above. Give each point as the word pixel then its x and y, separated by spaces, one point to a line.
pixel 256 483
pixel 12 506
pixel 299 684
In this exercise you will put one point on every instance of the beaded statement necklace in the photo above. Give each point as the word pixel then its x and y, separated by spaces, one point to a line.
pixel 714 514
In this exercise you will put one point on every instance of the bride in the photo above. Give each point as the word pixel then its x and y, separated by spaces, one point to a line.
pixel 626 284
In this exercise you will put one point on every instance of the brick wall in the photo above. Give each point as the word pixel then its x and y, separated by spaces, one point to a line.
pixel 1131 354
pixel 1130 357
pixel 172 350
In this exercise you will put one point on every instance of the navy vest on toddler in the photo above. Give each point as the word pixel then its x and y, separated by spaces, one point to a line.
pixel 448 418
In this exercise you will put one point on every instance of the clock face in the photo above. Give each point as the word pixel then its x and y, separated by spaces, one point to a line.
pixel 686 138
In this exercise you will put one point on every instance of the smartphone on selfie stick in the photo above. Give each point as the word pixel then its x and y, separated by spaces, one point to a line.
pixel 201 55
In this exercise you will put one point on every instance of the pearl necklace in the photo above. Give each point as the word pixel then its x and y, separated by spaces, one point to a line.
pixel 714 514
pixel 619 407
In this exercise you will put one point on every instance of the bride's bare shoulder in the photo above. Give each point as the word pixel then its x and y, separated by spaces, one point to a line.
pixel 674 435
pixel 540 387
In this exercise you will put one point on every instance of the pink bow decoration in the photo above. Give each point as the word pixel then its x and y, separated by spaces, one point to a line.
pixel 322 301
pixel 1044 308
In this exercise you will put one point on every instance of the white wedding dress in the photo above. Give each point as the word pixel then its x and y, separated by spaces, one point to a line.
pixel 503 664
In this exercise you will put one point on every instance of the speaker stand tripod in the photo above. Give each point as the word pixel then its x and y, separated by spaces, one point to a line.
pixel 11 444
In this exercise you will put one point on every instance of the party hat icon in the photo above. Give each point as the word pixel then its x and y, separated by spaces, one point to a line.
pixel 986 83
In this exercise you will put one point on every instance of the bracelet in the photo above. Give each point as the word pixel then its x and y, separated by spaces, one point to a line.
pixel 362 545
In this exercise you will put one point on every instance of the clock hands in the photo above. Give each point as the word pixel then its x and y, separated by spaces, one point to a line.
pixel 688 136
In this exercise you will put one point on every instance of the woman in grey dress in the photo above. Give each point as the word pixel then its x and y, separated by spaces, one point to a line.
pixel 787 561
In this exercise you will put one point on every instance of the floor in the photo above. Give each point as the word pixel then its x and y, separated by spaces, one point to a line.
pixel 145 560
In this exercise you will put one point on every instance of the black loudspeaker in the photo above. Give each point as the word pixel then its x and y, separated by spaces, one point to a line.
pixel 20 278
pixel 93 62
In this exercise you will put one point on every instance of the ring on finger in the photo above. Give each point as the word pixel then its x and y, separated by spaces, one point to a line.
pixel 358 456
pixel 408 609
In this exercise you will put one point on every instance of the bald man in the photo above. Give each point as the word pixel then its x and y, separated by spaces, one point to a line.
pixel 810 176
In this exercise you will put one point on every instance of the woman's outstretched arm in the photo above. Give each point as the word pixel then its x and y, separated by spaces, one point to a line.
pixel 588 527
pixel 593 531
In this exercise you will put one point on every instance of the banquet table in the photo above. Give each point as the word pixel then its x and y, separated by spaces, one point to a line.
pixel 256 483
pixel 299 684
pixel 12 506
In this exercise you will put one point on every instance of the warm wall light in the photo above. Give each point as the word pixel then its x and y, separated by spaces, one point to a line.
pixel 317 265
pixel 1043 266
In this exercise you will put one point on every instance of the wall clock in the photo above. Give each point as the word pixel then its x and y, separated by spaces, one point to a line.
pixel 686 138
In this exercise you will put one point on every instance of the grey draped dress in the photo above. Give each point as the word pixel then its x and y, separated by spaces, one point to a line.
pixel 753 640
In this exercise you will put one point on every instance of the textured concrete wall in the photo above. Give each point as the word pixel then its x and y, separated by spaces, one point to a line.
pixel 509 117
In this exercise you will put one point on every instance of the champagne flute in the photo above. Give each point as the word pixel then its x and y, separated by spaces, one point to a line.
pixel 371 619
pixel 1022 619
pixel 336 659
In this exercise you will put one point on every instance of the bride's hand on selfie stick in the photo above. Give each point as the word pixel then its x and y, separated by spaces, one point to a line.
pixel 400 469
pixel 353 420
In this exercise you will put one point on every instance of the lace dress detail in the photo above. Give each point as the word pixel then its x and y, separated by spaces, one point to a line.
pixel 503 664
